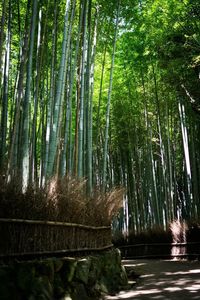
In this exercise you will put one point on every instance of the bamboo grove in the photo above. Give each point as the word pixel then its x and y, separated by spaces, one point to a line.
pixel 107 91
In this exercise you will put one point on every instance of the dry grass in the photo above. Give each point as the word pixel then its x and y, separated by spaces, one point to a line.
pixel 179 231
pixel 185 232
pixel 176 232
pixel 157 234
pixel 62 200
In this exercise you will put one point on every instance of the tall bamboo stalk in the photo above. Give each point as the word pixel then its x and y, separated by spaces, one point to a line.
pixel 82 96
pixel 4 115
pixel 109 101
pixel 27 98
pixel 54 133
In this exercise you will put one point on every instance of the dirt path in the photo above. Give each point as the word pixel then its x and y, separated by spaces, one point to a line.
pixel 163 280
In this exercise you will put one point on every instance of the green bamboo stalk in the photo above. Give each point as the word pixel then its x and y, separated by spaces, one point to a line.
pixel 109 102
pixel 3 17
pixel 69 98
pixel 26 104
pixel 4 115
pixel 54 133
pixel 15 143
pixel 50 103
pixel 90 112
pixel 82 96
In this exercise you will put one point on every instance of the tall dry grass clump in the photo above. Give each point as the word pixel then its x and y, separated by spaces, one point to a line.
pixel 29 205
pixel 186 233
pixel 62 200
pixel 102 207
pixel 179 231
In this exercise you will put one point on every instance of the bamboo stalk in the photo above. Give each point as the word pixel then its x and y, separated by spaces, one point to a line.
pixel 52 223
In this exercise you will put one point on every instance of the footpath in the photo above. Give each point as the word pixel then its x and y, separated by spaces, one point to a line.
pixel 162 280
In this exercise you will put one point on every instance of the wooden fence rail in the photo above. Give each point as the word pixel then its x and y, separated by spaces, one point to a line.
pixel 161 250
pixel 20 236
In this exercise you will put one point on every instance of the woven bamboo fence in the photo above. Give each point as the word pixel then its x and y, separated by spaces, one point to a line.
pixel 32 236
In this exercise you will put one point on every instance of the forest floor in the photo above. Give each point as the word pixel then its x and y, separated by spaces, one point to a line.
pixel 162 280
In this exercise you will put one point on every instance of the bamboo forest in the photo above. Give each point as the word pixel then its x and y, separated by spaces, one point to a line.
pixel 108 92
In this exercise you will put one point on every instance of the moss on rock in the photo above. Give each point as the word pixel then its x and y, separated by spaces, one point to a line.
pixel 63 278
pixel 68 269
pixel 82 270
pixel 46 268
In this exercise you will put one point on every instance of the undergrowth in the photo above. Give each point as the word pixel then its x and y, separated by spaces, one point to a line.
pixel 176 232
pixel 157 234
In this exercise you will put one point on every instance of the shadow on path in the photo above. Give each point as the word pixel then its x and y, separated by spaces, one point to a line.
pixel 163 280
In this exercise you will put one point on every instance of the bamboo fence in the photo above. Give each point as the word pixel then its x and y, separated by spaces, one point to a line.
pixel 20 236
pixel 161 250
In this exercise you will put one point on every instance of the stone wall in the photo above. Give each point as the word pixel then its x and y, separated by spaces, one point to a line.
pixel 63 278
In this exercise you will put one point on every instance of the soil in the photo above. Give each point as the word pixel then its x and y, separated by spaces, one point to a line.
pixel 162 280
